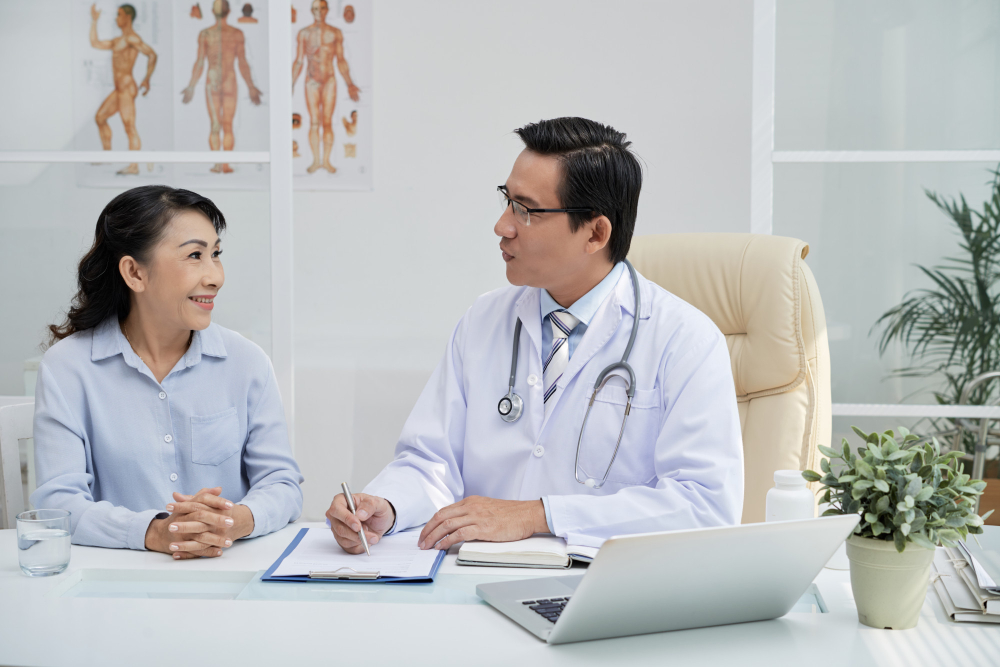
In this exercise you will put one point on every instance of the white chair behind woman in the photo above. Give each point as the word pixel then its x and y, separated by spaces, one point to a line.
pixel 16 416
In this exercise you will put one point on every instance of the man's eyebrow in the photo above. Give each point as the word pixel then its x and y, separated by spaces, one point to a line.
pixel 199 242
pixel 522 199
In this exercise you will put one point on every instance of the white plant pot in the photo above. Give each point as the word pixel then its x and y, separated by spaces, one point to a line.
pixel 889 587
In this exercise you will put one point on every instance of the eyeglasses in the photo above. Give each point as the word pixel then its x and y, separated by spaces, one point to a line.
pixel 523 214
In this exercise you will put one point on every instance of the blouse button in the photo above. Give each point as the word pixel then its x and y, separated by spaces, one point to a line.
pixel 539 451
pixel 532 379
pixel 163 395
pixel 168 438
pixel 173 477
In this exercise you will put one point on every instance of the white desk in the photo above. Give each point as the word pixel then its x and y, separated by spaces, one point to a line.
pixel 38 627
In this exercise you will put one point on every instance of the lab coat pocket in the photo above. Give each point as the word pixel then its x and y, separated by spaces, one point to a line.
pixel 634 463
pixel 215 438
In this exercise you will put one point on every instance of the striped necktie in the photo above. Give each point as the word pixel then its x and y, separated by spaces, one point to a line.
pixel 562 326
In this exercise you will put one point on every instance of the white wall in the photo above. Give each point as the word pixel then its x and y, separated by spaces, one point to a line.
pixel 383 277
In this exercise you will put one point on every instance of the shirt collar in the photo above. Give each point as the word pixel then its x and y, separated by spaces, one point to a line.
pixel 109 341
pixel 586 306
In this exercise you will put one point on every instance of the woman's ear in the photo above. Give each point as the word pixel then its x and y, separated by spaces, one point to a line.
pixel 133 273
pixel 600 234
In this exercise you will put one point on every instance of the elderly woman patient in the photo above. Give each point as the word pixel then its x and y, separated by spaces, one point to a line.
pixel 142 401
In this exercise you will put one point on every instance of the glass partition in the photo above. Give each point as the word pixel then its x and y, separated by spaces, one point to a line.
pixel 910 75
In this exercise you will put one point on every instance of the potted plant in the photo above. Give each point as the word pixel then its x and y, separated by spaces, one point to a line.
pixel 911 498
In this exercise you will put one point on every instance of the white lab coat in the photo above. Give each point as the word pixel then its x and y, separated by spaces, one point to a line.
pixel 680 464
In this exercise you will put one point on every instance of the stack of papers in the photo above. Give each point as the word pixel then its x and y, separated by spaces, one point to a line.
pixel 966 578
pixel 539 551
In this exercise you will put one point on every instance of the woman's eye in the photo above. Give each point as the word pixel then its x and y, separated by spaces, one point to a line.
pixel 216 253
pixel 195 255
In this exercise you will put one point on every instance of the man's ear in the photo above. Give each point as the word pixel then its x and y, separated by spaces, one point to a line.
pixel 133 273
pixel 600 234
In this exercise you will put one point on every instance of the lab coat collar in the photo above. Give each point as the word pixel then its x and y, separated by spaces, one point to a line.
pixel 527 309
pixel 606 321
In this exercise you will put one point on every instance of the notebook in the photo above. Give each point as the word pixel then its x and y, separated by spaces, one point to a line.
pixel 540 551
pixel 314 555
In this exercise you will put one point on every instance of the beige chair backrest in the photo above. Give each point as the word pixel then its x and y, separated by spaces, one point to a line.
pixel 16 423
pixel 760 293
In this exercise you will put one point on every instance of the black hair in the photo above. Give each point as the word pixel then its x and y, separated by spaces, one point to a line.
pixel 599 173
pixel 247 9
pixel 128 9
pixel 130 225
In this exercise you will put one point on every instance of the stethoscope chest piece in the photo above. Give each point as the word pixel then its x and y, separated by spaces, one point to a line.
pixel 510 407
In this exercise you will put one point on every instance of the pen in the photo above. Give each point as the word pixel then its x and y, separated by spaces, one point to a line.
pixel 350 505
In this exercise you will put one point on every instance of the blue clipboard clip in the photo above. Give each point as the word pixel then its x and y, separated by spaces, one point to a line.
pixel 343 573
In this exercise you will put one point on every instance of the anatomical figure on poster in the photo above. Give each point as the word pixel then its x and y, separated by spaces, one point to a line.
pixel 331 94
pixel 220 45
pixel 125 49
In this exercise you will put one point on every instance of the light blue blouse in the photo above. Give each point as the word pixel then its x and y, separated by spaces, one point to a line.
pixel 111 443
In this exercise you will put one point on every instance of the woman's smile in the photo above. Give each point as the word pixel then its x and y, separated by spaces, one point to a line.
pixel 205 301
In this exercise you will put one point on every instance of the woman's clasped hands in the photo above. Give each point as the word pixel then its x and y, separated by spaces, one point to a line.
pixel 199 526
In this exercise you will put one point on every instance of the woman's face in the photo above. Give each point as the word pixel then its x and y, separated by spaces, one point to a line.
pixel 185 273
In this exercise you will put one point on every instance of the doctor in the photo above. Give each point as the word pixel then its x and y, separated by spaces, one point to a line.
pixel 472 469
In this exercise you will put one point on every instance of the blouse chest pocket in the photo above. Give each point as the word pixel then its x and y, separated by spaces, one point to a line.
pixel 215 438
pixel 634 462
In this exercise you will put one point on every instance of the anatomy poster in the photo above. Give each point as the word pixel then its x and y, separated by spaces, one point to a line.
pixel 220 60
pixel 332 94
pixel 122 86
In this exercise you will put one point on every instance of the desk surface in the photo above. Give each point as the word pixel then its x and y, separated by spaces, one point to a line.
pixel 37 627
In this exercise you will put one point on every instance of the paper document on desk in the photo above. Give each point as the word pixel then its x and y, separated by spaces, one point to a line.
pixel 395 555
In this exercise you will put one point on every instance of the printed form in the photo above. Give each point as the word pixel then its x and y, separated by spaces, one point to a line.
pixel 395 555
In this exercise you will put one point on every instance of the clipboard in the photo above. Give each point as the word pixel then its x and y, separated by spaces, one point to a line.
pixel 341 576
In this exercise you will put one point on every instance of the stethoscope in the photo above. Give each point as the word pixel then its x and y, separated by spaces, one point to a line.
pixel 511 406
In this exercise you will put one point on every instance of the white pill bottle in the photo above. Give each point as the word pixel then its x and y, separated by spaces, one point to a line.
pixel 790 499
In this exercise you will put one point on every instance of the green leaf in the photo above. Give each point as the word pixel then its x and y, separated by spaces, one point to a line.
pixel 905 529
pixel 900 539
pixel 831 453
pixel 824 465
pixel 921 540
pixel 877 528
pixel 831 512
pixel 861 434
pixel 882 486
pixel 810 476
pixel 843 479
pixel 870 518
pixel 882 504
pixel 925 494
pixel 875 451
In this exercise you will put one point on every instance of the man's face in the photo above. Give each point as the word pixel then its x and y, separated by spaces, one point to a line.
pixel 545 253
pixel 122 19
pixel 319 10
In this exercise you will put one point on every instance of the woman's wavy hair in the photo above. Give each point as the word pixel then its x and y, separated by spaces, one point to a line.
pixel 130 225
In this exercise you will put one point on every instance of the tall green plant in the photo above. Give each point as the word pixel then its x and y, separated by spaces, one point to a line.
pixel 952 329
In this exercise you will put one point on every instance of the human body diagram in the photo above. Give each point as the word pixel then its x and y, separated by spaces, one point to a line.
pixel 124 50
pixel 221 46
pixel 319 44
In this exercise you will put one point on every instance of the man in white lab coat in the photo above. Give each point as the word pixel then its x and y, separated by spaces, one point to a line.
pixel 469 474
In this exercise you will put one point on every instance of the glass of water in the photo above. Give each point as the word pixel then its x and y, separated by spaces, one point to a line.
pixel 43 542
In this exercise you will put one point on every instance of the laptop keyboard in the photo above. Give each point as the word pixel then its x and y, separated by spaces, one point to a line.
pixel 547 608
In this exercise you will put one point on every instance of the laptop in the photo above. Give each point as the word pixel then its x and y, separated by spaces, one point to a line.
pixel 676 580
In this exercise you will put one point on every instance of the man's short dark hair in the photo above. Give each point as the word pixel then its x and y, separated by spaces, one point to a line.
pixel 599 173
pixel 128 9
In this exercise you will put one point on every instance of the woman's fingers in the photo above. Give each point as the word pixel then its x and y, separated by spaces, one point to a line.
pixel 208 519
pixel 212 539
pixel 187 545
